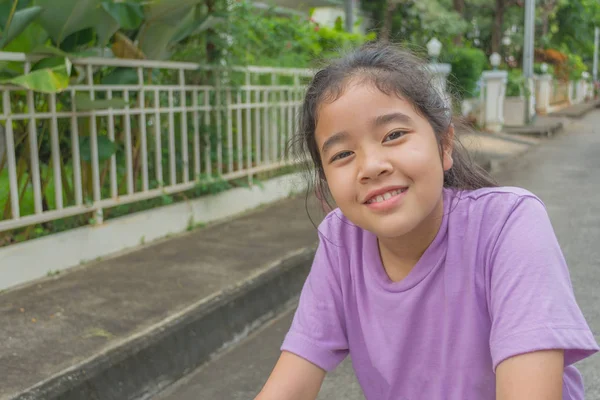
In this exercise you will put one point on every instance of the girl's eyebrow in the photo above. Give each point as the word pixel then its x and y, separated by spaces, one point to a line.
pixel 392 117
pixel 334 139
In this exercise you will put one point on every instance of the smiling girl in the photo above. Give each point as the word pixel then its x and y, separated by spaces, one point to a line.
pixel 438 283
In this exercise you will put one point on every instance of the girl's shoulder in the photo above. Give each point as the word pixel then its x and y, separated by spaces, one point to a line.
pixel 494 200
pixel 493 193
pixel 491 210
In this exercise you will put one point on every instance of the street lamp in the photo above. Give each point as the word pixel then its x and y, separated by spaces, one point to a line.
pixel 544 68
pixel 495 60
pixel 434 48
pixel 506 41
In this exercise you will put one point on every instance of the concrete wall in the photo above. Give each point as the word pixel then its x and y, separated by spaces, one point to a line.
pixel 514 111
pixel 27 261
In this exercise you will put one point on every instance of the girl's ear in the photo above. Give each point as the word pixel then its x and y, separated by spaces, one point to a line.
pixel 447 160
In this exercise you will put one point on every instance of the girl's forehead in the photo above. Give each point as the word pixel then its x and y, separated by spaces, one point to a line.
pixel 358 101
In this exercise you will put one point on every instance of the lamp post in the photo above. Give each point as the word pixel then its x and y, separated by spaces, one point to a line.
pixel 495 60
pixel 434 48
pixel 349 9
pixel 439 71
pixel 596 42
pixel 528 58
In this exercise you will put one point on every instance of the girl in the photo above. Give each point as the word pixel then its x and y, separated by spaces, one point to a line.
pixel 439 284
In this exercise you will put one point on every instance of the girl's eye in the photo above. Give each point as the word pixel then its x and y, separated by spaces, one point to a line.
pixel 394 135
pixel 341 155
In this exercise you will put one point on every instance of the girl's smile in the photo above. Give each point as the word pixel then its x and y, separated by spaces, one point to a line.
pixel 385 199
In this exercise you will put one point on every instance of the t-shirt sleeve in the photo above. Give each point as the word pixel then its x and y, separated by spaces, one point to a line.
pixel 531 299
pixel 318 332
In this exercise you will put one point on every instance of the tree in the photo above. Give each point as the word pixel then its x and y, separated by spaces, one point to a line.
pixel 414 22
pixel 459 7
pixel 572 27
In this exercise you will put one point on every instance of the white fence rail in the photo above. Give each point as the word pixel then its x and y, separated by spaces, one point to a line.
pixel 63 159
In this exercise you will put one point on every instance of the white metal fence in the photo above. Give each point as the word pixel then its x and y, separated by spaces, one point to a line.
pixel 63 159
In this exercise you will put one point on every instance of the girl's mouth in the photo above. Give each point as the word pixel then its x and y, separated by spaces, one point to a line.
pixel 385 196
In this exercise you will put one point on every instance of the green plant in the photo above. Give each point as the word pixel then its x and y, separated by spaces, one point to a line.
pixel 515 84
pixel 575 66
pixel 467 66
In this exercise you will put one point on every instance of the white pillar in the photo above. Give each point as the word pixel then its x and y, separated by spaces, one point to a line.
pixel 543 92
pixel 589 94
pixel 440 74
pixel 494 90
pixel 572 94
pixel 580 91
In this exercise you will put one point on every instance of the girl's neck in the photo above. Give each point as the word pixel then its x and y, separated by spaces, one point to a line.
pixel 400 254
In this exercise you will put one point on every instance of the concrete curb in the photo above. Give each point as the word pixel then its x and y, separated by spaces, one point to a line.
pixel 578 110
pixel 545 130
pixel 183 342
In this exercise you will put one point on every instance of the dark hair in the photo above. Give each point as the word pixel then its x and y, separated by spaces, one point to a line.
pixel 393 71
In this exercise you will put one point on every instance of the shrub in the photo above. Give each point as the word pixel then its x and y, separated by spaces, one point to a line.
pixel 467 66
pixel 516 83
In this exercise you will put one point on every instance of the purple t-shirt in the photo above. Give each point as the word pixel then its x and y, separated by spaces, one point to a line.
pixel 492 284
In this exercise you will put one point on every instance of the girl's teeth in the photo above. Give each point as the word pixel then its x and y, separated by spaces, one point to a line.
pixel 385 196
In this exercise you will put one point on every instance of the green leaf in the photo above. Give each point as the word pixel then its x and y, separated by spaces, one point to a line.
pixel 19 23
pixel 156 40
pixel 50 62
pixel 128 15
pixel 85 103
pixel 80 39
pixel 191 27
pixel 64 17
pixel 33 36
pixel 106 148
pixel 169 11
pixel 49 50
pixel 163 20
pixel 121 76
pixel 106 26
pixel 46 80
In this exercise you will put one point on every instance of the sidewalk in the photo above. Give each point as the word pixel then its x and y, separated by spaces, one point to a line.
pixel 127 326
pixel 88 320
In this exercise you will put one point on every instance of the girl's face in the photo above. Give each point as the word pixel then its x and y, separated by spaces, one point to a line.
pixel 381 161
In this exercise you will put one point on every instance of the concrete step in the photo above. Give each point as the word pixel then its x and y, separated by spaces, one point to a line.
pixel 577 110
pixel 241 372
pixel 541 130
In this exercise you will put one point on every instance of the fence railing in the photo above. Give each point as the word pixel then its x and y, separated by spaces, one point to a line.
pixel 67 154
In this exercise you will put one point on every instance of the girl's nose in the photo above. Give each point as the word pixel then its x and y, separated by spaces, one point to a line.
pixel 373 166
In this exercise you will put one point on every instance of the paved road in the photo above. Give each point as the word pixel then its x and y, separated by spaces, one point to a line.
pixel 564 172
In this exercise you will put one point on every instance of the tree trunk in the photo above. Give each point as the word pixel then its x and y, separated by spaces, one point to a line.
pixel 390 7
pixel 497 27
pixel 459 7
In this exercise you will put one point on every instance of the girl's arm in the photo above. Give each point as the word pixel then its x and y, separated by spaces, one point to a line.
pixel 293 378
pixel 531 376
